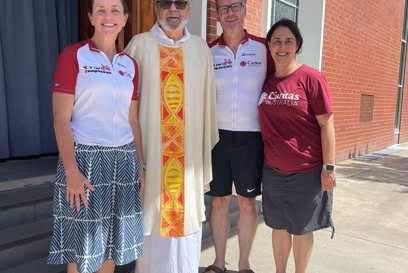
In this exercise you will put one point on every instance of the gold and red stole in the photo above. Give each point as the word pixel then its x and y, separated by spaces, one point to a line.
pixel 172 141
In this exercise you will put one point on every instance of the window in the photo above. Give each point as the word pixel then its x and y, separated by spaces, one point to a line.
pixel 366 108
pixel 284 9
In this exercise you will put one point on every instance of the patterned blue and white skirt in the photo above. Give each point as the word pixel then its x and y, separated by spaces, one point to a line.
pixel 111 228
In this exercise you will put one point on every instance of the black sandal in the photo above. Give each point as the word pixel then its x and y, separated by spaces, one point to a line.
pixel 214 268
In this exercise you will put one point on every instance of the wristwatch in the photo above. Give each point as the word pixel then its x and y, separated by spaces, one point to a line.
pixel 329 167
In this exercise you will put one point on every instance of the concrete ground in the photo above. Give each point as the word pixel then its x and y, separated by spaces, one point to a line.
pixel 370 215
pixel 26 169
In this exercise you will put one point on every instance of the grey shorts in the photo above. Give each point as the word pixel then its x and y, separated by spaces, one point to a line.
pixel 295 202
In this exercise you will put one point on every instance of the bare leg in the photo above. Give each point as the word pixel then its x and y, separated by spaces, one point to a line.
pixel 72 268
pixel 107 267
pixel 302 250
pixel 246 230
pixel 220 228
pixel 281 245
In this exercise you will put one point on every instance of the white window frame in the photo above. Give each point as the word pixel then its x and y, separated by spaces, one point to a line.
pixel 198 18
pixel 310 19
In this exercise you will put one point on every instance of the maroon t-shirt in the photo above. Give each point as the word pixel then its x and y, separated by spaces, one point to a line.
pixel 287 110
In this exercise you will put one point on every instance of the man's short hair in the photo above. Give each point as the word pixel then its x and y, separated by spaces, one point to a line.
pixel 242 1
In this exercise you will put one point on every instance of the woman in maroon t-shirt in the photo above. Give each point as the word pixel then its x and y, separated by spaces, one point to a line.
pixel 299 146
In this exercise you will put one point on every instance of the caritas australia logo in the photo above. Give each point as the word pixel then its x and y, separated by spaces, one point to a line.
pixel 279 98
pixel 125 74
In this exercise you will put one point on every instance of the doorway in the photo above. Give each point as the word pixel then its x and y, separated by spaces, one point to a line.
pixel 141 19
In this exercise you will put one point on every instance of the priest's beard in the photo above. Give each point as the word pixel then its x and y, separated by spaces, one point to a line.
pixel 170 28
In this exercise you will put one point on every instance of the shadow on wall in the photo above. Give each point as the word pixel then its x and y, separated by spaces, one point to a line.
pixel 358 151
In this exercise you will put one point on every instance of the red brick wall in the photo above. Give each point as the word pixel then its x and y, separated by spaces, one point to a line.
pixel 361 55
pixel 253 22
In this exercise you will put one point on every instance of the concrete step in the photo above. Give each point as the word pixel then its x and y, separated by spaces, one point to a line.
pixel 28 168
pixel 26 214
pixel 26 195
pixel 25 205
pixel 36 266
pixel 18 235
pixel 26 251
pixel 29 241
pixel 24 243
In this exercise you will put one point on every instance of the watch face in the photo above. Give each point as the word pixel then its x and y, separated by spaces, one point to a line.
pixel 330 167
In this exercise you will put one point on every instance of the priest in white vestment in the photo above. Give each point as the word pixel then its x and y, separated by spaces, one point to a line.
pixel 178 122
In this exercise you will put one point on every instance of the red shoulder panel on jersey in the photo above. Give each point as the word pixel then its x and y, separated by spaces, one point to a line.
pixel 67 69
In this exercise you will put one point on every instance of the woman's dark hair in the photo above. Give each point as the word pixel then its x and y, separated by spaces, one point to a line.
pixel 292 26
pixel 124 4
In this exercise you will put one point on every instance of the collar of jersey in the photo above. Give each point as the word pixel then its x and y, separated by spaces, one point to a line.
pixel 93 47
pixel 221 40
pixel 158 32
